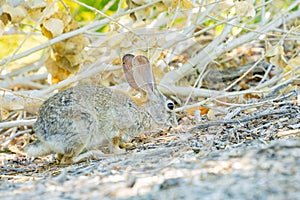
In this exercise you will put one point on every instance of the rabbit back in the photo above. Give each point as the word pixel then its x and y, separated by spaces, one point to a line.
pixel 78 118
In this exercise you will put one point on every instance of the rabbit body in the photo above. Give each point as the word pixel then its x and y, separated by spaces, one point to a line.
pixel 80 118
pixel 84 117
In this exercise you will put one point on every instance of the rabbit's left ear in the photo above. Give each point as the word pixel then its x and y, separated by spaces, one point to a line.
pixel 143 74
pixel 128 70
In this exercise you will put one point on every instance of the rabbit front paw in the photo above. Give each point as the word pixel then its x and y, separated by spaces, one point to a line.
pixel 118 146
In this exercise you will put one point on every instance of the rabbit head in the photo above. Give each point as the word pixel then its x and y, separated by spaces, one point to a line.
pixel 139 75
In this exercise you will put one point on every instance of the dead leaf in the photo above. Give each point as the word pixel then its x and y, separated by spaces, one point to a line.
pixel 73 45
pixel 75 60
pixel 275 55
pixel 141 2
pixel 52 27
pixel 67 21
pixel 16 14
pixel 168 3
pixel 57 72
pixel 146 13
pixel 4 18
pixel 211 114
pixel 293 64
pixel 252 96
pixel 203 110
pixel 183 3
pixel 3 114
pixel 244 9
pixel 35 14
pixel 186 4
pixel 33 4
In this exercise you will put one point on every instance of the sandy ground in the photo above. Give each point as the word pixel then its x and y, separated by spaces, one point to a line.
pixel 175 169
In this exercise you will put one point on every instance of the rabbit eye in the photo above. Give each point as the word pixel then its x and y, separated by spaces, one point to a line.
pixel 170 105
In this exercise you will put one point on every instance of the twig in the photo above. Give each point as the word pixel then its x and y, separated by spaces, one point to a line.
pixel 243 119
pixel 288 133
pixel 25 69
pixel 265 75
pixel 22 122
pixel 22 81
pixel 23 100
pixel 6 142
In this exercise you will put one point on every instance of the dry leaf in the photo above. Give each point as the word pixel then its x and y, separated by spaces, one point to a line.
pixel 142 14
pixel 203 110
pixel 3 114
pixel 211 114
pixel 75 60
pixel 186 4
pixel 141 2
pixel 183 3
pixel 252 96
pixel 54 68
pixel 244 9
pixel 66 19
pixel 33 4
pixel 4 18
pixel 146 13
pixel 67 55
pixel 73 45
pixel 73 25
pixel 52 27
pixel 275 55
pixel 168 3
pixel 16 14
pixel 37 12
pixel 62 62
pixel 292 64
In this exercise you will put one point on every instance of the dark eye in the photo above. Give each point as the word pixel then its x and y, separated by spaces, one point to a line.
pixel 170 105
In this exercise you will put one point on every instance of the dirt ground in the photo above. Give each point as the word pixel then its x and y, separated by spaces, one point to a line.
pixel 254 155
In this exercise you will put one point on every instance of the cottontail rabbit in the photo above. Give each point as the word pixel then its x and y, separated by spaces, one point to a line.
pixel 80 118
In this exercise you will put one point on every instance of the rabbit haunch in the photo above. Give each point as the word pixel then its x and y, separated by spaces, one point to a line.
pixel 80 118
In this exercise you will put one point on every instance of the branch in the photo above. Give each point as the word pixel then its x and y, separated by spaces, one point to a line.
pixel 31 100
pixel 17 123
pixel 216 48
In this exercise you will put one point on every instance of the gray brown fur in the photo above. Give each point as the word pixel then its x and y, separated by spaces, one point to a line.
pixel 83 117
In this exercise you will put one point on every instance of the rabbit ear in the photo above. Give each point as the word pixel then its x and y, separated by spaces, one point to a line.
pixel 142 73
pixel 128 71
